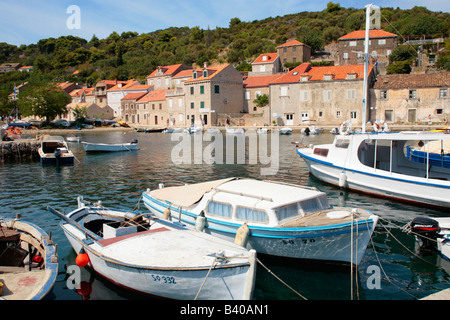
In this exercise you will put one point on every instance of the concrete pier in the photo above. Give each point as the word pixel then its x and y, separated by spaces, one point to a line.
pixel 19 149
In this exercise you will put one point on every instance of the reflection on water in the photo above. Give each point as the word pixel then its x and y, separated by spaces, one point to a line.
pixel 118 179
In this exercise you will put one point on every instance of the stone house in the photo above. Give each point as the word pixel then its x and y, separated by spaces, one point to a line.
pixel 130 108
pixel 84 95
pixel 101 88
pixel 6 67
pixel 293 51
pixel 213 90
pixel 162 77
pixel 265 64
pixel 381 45
pixel 326 95
pixel 152 109
pixel 410 98
pixel 255 86
pixel 116 93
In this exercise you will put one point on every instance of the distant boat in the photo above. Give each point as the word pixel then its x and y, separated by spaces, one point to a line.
pixel 262 130
pixel 235 131
pixel 112 147
pixel 285 131
pixel 213 131
pixel 173 130
pixel 273 218
pixel 28 261
pixel 158 257
pixel 193 130
pixel 437 153
pixel 74 139
pixel 54 149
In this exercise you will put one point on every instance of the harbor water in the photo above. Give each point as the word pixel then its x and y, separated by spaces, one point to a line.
pixel 391 268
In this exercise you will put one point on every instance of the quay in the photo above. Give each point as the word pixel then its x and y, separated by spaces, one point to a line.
pixel 19 149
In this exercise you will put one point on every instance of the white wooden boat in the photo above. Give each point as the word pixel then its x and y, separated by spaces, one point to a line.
pixel 110 147
pixel 285 131
pixel 54 149
pixel 234 131
pixel 173 130
pixel 28 261
pixel 262 130
pixel 193 130
pixel 378 164
pixel 158 258
pixel 213 131
pixel 281 220
pixel 73 139
pixel 311 130
pixel 432 234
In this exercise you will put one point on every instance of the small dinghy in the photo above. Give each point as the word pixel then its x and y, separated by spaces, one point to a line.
pixel 110 147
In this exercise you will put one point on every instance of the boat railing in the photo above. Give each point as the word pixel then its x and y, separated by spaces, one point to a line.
pixel 243 194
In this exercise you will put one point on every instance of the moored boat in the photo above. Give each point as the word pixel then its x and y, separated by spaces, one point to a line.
pixel 28 261
pixel 234 130
pixel 285 131
pixel 54 149
pixel 278 219
pixel 378 164
pixel 110 147
pixel 431 234
pixel 156 257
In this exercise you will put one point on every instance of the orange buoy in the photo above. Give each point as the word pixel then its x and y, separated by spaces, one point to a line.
pixel 82 259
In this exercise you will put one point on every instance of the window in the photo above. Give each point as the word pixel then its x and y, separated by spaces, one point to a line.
pixel 205 73
pixel 412 94
pixel 443 94
pixel 202 89
pixel 389 115
pixel 192 105
pixel 247 95
pixel 304 95
pixel 160 106
pixel 327 95
pixel 286 212
pixel 217 89
pixel 170 103
pixel 257 94
pixel 219 209
pixel 351 94
pixel 345 56
pixel 352 44
pixel 310 205
pixel 284 91
pixel 353 114
pixel 180 102
pixel 192 90
pixel 338 114
pixel 202 104
pixel 383 95
pixel 251 214
pixel 194 75
pixel 382 41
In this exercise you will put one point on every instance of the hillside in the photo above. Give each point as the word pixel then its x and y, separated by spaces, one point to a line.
pixel 133 55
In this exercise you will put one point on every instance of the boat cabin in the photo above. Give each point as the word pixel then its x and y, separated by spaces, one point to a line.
pixel 54 144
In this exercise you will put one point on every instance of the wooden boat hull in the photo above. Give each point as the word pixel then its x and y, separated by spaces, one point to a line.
pixel 116 260
pixel 22 283
pixel 323 243
pixel 103 147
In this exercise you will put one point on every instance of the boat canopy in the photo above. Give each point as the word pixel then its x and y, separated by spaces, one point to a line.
pixel 187 195
pixel 403 135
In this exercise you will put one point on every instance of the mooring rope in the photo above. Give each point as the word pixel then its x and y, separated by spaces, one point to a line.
pixel 268 270
pixel 204 280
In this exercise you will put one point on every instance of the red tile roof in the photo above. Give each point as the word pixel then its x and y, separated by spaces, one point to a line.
pixel 270 57
pixel 291 43
pixel 361 34
pixel 134 96
pixel 317 73
pixel 260 81
pixel 168 70
pixel 156 95
pixel 212 72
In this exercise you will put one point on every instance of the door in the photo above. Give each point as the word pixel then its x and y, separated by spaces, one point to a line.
pixel 156 120
pixel 289 119
pixel 412 115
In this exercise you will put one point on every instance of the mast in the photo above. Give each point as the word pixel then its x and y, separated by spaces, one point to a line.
pixel 369 9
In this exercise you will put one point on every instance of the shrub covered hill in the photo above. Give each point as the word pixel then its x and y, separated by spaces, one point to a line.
pixel 132 55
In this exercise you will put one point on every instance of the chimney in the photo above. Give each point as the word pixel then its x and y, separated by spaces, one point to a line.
pixel 205 64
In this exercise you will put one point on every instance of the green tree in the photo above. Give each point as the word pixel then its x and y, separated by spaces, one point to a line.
pixel 43 100
pixel 80 114
pixel 261 100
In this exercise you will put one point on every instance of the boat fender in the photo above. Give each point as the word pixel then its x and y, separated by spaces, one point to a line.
pixel 342 179
pixel 82 259
pixel 166 214
pixel 242 234
pixel 200 222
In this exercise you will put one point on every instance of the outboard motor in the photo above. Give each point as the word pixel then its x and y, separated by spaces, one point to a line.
pixel 427 230
pixel 134 141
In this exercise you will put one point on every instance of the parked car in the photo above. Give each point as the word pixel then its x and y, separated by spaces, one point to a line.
pixel 61 123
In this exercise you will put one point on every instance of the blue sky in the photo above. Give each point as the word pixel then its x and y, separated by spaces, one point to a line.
pixel 28 21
